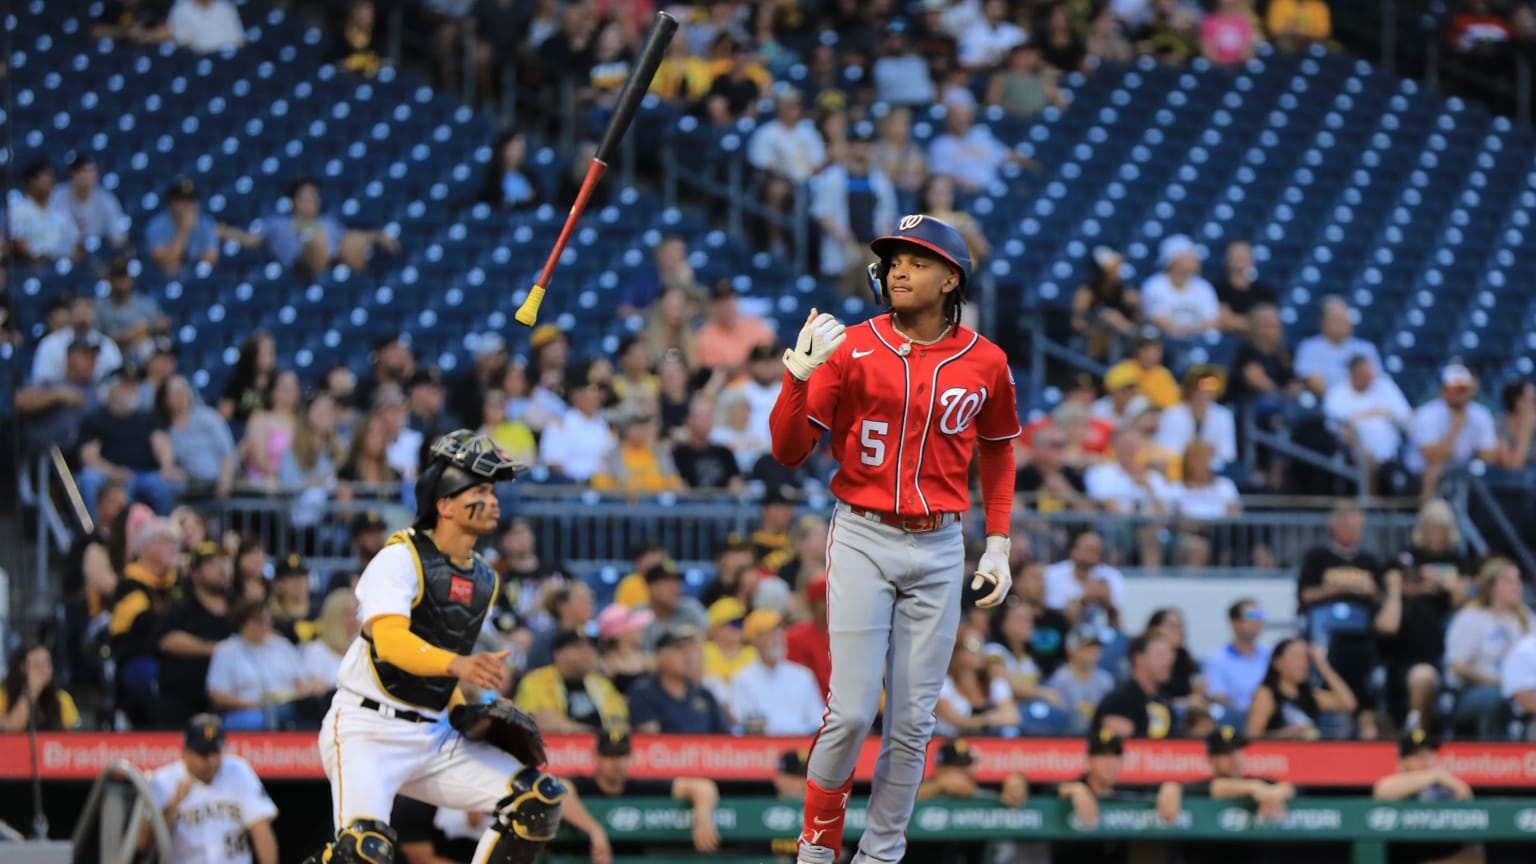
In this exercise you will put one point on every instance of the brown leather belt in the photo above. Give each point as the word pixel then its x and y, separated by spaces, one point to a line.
pixel 909 524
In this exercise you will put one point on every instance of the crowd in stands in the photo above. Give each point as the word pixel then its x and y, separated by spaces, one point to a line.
pixel 1428 639
pixel 194 616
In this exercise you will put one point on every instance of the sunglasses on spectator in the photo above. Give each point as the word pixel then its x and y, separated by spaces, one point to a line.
pixel 1252 614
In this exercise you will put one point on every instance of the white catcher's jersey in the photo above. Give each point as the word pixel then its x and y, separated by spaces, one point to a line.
pixel 390 585
pixel 212 820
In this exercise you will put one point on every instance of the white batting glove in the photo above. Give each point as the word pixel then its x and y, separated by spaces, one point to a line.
pixel 820 336
pixel 993 570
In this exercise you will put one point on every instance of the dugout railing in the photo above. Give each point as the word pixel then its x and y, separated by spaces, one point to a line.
pixel 118 811
pixel 1364 824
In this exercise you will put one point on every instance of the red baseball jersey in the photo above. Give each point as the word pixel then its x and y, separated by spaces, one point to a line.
pixel 904 425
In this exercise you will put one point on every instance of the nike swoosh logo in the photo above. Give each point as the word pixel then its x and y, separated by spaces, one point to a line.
pixel 865 353
pixel 820 821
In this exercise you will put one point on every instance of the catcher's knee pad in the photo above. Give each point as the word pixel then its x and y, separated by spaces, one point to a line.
pixel 365 841
pixel 528 818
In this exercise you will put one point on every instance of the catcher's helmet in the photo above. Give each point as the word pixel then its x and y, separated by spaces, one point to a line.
pixel 939 238
pixel 461 460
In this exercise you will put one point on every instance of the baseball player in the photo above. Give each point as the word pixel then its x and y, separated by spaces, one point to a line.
pixel 422 601
pixel 907 397
pixel 213 804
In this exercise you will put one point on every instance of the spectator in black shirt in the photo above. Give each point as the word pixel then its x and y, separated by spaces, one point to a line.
pixel 393 363
pixel 1261 368
pixel 1048 643
pixel 466 390
pixel 1105 310
pixel 1224 747
pixel 368 536
pixel 1347 598
pixel 524 574
pixel 1137 708
pixel 354 47
pixel 1055 485
pixel 140 21
pixel 736 92
pixel 1418 778
pixel 568 53
pixel 89 583
pixel 1106 753
pixel 954 779
pixel 954 776
pixel 290 600
pixel 245 390
pixel 126 443
pixel 189 631
pixel 1239 289
pixel 1434 584
pixel 1184 684
pixel 1059 43
pixel 701 463
pixel 1286 705
pixel 425 405
pixel 610 779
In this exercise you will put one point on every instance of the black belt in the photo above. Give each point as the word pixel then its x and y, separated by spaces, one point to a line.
pixel 392 711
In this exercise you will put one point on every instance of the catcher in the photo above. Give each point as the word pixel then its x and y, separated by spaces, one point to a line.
pixel 421 601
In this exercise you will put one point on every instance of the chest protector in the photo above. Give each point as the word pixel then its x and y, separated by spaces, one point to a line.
pixel 450 607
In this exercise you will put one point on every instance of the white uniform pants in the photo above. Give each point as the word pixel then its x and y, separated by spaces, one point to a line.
pixel 893 606
pixel 369 758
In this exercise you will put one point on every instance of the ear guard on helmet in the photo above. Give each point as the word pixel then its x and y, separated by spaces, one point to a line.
pixel 936 237
pixel 877 271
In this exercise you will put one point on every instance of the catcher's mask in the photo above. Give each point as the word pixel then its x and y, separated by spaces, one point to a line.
pixel 935 237
pixel 461 460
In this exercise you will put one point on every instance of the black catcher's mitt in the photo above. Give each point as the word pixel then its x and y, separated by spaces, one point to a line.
pixel 502 725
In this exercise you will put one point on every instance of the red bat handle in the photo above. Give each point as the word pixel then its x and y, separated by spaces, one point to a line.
pixel 529 311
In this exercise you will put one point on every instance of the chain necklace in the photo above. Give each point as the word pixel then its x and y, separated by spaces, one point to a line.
pixel 906 347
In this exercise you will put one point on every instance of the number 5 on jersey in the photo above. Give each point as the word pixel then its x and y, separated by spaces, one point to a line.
pixel 870 435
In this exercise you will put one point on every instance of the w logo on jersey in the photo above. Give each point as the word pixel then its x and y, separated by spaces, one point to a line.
pixel 960 407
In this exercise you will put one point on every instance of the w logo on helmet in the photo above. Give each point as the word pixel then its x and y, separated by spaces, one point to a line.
pixel 910 222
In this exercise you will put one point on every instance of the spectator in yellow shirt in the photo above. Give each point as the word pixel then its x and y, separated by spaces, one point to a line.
pixel 570 695
pixel 633 590
pixel 639 465
pixel 727 651
pixel 1146 362
pixel 513 436
pixel 1298 24
pixel 31 692
pixel 682 77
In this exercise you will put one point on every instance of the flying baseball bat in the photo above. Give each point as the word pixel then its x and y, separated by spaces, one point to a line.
pixel 629 102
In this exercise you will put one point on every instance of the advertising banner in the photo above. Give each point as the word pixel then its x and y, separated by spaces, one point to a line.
pixel 293 756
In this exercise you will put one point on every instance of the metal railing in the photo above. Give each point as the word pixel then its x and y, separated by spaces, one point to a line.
pixel 118 809
pixel 1469 489
pixel 1043 350
pixel 54 528
pixel 578 525
pixel 733 194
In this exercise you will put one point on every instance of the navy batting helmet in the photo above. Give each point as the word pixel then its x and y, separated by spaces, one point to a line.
pixel 460 460
pixel 939 238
